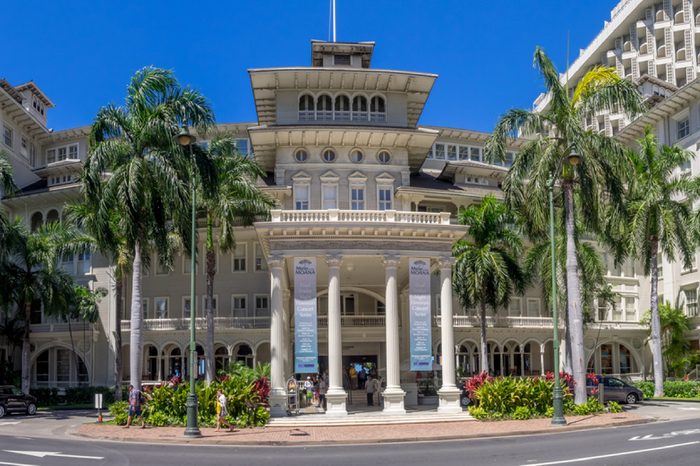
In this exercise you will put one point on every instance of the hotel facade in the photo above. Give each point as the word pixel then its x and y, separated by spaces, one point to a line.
pixel 362 189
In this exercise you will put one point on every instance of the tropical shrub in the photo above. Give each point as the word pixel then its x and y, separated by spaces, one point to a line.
pixel 119 411
pixel 516 398
pixel 614 407
pixel 672 389
pixel 592 406
pixel 247 391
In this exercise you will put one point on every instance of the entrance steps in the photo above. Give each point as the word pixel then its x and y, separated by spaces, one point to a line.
pixel 369 416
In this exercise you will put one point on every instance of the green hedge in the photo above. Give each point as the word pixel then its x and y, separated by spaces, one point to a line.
pixel 47 397
pixel 247 391
pixel 672 389
pixel 524 398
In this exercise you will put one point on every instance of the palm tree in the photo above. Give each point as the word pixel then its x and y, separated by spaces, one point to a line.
pixel 148 174
pixel 660 217
pixel 555 133
pixel 34 275
pixel 675 324
pixel 487 271
pixel 233 200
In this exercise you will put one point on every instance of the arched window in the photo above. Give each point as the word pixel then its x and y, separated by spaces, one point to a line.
pixel 221 358
pixel 244 354
pixel 342 108
pixel 306 108
pixel 151 366
pixel 324 108
pixel 377 109
pixel 37 220
pixel 52 216
pixel 359 108
pixel 174 361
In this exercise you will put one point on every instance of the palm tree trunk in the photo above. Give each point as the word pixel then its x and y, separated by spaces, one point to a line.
pixel 118 337
pixel 136 337
pixel 568 361
pixel 209 347
pixel 573 295
pixel 25 346
pixel 656 323
pixel 484 347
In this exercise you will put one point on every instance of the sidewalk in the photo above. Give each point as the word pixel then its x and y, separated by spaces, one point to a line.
pixel 354 434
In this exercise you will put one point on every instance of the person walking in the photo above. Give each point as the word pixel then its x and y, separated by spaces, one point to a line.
pixel 222 411
pixel 136 399
pixel 369 387
pixel 322 390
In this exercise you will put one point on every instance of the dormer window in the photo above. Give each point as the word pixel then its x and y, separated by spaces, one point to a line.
pixel 341 60
pixel 377 110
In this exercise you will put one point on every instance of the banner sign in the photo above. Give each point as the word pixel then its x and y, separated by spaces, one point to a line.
pixel 419 314
pixel 305 321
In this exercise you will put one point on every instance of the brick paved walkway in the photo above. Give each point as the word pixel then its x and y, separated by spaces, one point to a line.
pixel 354 434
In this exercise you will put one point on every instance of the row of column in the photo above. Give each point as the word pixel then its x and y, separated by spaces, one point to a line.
pixel 336 396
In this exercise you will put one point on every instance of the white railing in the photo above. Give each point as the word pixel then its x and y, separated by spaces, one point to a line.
pixel 60 327
pixel 499 321
pixel 183 323
pixel 377 116
pixel 354 321
pixel 359 216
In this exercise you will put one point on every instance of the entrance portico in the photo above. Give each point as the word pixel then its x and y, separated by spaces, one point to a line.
pixel 368 243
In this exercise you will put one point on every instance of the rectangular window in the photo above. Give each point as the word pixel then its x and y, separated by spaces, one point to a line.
pixel 161 268
pixel 239 258
pixel 693 264
pixel 463 153
pixel 215 305
pixel 186 306
pixel 683 128
pixel 260 264
pixel 630 309
pixel 440 151
pixel 475 154
pixel 51 156
pixel 431 154
pixel 62 365
pixel 329 197
pixel 348 303
pixel 239 305
pixel 618 310
pixel 84 262
pixel 62 153
pixel 8 135
pixel 691 302
pixel 533 307
pixel 301 197
pixel 67 263
pixel 451 152
pixel 510 157
pixel 515 307
pixel 384 198
pixel 262 306
pixel 73 152
pixel 144 308
pixel 357 198
pixel 24 147
pixel 380 308
pixel 602 310
pixel 341 60
pixel 161 307
pixel 243 146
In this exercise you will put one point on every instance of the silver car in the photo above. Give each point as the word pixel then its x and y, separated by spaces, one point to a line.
pixel 615 389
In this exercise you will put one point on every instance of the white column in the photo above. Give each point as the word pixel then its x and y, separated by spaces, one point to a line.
pixel 393 395
pixel 336 396
pixel 543 346
pixel 278 392
pixel 449 393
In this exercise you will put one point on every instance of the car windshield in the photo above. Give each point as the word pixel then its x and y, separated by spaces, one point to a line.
pixel 17 391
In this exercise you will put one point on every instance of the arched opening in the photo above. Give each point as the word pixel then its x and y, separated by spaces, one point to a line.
pixel 359 108
pixel 342 108
pixel 324 108
pixel 221 358
pixel 150 363
pixel 52 216
pixel 613 359
pixel 262 354
pixel 59 367
pixel 37 220
pixel 243 353
pixel 306 108
pixel 468 359
pixel 377 109
pixel 172 357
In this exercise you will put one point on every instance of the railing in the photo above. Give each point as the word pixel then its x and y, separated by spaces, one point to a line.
pixel 183 323
pixel 377 116
pixel 498 321
pixel 359 216
pixel 60 327
pixel 354 321
pixel 307 115
pixel 360 116
pixel 342 115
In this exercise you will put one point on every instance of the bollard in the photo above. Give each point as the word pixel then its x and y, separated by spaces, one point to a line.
pixel 601 393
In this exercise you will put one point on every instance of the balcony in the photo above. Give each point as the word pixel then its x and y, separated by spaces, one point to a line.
pixel 360 216
pixel 52 327
pixel 183 323
pixel 354 321
pixel 499 321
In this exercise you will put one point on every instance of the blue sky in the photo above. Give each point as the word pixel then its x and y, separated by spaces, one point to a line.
pixel 82 53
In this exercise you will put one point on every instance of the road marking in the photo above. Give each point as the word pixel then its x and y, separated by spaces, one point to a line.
pixel 42 454
pixel 17 464
pixel 665 436
pixel 689 409
pixel 611 455
pixel 9 423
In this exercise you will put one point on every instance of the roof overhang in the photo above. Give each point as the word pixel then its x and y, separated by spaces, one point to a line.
pixel 38 92
pixel 21 116
pixel 66 134
pixel 267 81
pixel 39 198
pixel 265 140
pixel 469 167
pixel 466 136
pixel 667 108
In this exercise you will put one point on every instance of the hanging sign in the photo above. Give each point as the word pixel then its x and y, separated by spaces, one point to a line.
pixel 305 321
pixel 419 315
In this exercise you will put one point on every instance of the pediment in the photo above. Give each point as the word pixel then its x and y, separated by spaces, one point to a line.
pixel 330 175
pixel 301 176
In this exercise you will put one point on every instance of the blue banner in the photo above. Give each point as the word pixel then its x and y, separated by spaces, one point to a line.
pixel 305 320
pixel 420 333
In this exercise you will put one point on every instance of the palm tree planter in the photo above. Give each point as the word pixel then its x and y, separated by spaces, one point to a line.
pixel 595 184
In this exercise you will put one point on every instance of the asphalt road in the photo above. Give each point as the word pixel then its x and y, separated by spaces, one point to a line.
pixel 674 443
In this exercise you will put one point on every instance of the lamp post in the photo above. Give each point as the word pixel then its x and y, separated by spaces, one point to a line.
pixel 558 417
pixel 185 139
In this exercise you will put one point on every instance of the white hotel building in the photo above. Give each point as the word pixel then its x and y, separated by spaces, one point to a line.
pixel 360 186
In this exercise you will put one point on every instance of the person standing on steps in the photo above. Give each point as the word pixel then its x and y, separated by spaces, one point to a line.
pixel 369 387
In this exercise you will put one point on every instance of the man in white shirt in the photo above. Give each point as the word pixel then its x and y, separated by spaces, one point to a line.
pixel 370 387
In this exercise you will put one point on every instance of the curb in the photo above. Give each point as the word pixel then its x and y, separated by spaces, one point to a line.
pixel 276 443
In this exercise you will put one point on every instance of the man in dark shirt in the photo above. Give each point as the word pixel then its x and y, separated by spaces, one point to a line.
pixel 135 401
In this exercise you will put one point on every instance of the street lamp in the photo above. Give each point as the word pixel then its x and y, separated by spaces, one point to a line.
pixel 558 418
pixel 184 138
